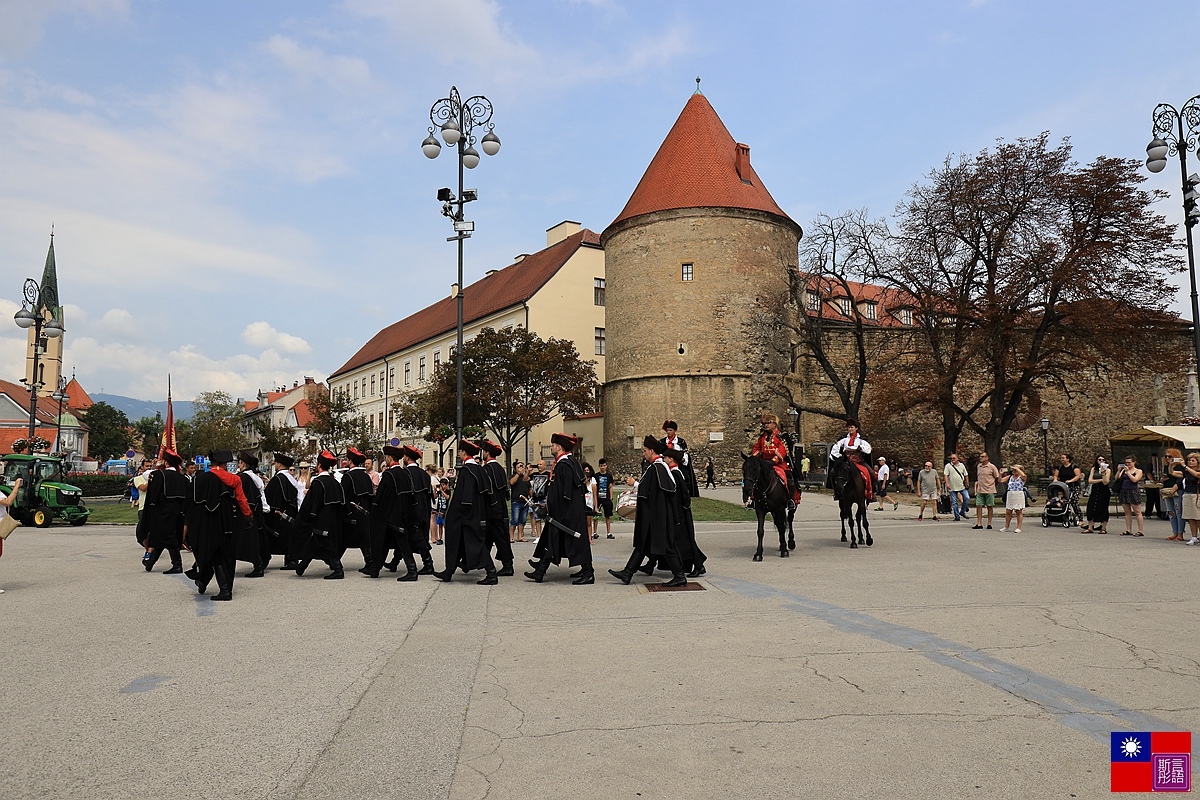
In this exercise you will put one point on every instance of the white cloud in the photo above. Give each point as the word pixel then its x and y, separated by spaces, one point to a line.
pixel 23 19
pixel 117 323
pixel 310 63
pixel 454 31
pixel 261 334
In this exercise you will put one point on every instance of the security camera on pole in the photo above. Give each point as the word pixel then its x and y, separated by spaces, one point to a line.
pixel 457 119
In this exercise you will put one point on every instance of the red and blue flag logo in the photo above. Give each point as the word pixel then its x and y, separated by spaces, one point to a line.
pixel 1151 761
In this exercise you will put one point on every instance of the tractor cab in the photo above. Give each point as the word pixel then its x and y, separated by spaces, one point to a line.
pixel 44 494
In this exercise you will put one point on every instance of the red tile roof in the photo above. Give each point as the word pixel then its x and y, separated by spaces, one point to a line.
pixel 77 398
pixel 502 289
pixel 10 435
pixel 889 302
pixel 47 411
pixel 304 414
pixel 250 405
pixel 697 167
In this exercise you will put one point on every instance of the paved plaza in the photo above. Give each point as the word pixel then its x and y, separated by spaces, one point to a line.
pixel 940 663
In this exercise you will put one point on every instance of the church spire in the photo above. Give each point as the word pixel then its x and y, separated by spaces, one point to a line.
pixel 50 283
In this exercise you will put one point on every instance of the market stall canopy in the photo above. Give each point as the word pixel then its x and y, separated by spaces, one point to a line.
pixel 1187 435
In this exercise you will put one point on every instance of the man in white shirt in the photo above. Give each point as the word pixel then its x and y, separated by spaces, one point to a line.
pixel 881 481
pixel 955 473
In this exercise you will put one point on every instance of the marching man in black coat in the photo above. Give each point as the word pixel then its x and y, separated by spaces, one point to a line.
pixel 252 541
pixel 690 554
pixel 161 525
pixel 466 520
pixel 217 508
pixel 654 527
pixel 674 442
pixel 566 507
pixel 391 516
pixel 358 488
pixel 284 495
pixel 421 506
pixel 319 524
pixel 497 520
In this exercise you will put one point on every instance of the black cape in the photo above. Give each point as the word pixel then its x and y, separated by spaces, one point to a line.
pixel 685 529
pixel 356 522
pixel 161 525
pixel 466 519
pixel 252 537
pixel 654 526
pixel 565 504
pixel 390 509
pixel 421 507
pixel 212 519
pixel 282 497
pixel 319 523
pixel 687 468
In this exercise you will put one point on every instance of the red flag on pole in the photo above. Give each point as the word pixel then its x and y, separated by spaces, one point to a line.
pixel 168 435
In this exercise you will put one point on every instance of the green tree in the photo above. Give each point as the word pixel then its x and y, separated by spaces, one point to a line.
pixel 338 425
pixel 1027 269
pixel 215 424
pixel 147 434
pixel 514 381
pixel 275 439
pixel 108 431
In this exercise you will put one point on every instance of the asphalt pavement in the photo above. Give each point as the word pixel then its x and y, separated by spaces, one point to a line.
pixel 941 662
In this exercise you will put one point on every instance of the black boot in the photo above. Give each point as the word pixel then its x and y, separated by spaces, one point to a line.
pixel 489 579
pixel 677 576
pixel 411 564
pixel 301 566
pixel 289 565
pixel 337 574
pixel 626 575
pixel 191 573
pixel 427 564
pixel 176 564
pixel 506 570
pixel 539 572
pixel 150 559
pixel 224 582
pixel 392 565
pixel 648 567
pixel 446 575
pixel 587 575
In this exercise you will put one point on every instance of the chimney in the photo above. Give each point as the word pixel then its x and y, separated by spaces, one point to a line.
pixel 561 231
pixel 741 161
pixel 295 384
pixel 308 380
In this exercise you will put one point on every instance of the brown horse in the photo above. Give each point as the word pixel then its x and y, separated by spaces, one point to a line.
pixel 852 490
pixel 761 485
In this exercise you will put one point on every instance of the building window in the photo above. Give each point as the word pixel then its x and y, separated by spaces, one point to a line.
pixel 599 341
pixel 906 316
pixel 407 373
pixel 871 310
pixel 814 301
pixel 421 370
pixel 437 358
pixel 391 377
pixel 598 291
pixel 688 270
pixel 372 385
pixel 356 390
pixel 844 306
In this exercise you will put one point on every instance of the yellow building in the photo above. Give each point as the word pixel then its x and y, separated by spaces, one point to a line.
pixel 556 292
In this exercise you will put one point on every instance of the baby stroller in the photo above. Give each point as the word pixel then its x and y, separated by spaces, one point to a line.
pixel 1058 508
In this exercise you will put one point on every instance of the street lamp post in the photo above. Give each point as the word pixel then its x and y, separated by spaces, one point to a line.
pixel 1046 444
pixel 31 316
pixel 457 119
pixel 60 394
pixel 1177 132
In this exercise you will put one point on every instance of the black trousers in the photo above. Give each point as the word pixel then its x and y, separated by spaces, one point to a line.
pixel 497 529
pixel 220 563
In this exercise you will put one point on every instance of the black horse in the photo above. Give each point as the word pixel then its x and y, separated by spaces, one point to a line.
pixel 761 484
pixel 852 490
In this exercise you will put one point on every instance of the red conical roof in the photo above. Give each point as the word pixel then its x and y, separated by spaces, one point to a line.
pixel 698 166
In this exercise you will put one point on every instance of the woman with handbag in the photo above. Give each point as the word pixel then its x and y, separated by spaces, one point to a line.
pixel 1191 495
pixel 1097 508
pixel 8 523
pixel 1171 494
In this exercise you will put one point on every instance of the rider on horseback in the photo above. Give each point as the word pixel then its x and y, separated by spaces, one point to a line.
pixel 771 446
pixel 855 449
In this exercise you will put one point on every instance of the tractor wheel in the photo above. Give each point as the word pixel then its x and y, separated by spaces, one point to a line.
pixel 77 522
pixel 41 518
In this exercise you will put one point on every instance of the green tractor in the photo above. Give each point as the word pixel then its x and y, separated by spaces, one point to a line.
pixel 44 493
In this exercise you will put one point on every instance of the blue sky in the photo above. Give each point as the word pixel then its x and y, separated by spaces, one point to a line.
pixel 240 198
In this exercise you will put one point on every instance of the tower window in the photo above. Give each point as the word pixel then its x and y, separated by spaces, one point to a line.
pixel 598 291
pixel 688 270
pixel 599 341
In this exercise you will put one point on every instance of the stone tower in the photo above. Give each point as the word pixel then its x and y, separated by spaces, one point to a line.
pixel 699 240
pixel 51 358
